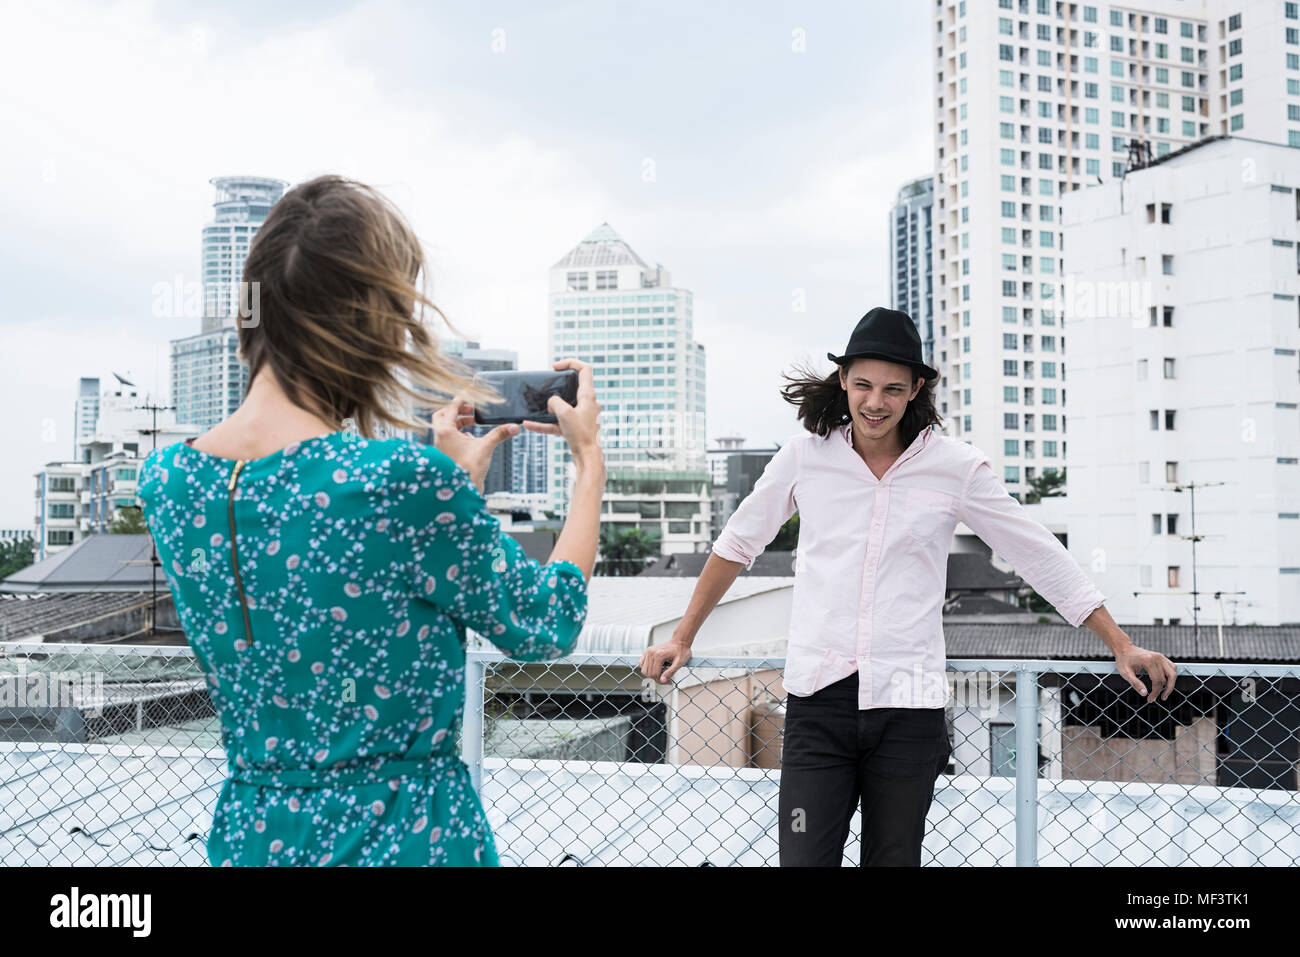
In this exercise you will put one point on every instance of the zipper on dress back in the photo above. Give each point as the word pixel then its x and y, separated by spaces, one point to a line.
pixel 234 551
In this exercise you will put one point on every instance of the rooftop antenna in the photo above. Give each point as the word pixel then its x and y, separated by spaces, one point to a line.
pixel 153 548
pixel 1190 488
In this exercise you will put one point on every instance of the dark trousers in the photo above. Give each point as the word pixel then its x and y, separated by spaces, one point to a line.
pixel 835 756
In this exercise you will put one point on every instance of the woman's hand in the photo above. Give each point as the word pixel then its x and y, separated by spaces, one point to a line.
pixel 578 424
pixel 470 452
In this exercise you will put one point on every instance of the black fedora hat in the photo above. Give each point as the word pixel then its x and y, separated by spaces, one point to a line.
pixel 886 334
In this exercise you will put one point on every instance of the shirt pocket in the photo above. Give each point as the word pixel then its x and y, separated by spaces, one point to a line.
pixel 926 514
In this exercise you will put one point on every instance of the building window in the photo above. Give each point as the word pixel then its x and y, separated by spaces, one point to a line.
pixel 578 281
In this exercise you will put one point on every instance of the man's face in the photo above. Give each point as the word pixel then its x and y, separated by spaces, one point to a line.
pixel 878 393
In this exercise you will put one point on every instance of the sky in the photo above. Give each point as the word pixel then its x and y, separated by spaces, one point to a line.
pixel 778 135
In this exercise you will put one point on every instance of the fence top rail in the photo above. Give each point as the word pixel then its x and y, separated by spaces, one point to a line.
pixel 1027 665
pixel 1045 666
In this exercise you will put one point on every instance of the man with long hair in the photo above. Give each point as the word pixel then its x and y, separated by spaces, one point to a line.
pixel 879 492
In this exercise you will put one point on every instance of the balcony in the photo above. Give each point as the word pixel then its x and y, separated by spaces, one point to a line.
pixel 577 762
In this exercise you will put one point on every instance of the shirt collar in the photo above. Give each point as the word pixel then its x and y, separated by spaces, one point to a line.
pixel 921 440
pixel 918 444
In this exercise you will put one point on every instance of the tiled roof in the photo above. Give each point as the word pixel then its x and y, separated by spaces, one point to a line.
pixel 41 616
pixel 97 562
pixel 974 572
pixel 1245 643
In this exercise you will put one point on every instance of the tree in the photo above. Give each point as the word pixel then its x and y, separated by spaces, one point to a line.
pixel 625 552
pixel 16 554
pixel 1048 484
pixel 129 520
pixel 1034 601
pixel 787 538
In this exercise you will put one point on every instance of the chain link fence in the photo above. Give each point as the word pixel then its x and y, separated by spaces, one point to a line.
pixel 114 755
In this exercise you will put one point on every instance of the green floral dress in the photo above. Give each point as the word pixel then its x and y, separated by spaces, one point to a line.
pixel 332 635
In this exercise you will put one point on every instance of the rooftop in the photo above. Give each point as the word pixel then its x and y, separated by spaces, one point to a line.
pixel 601 247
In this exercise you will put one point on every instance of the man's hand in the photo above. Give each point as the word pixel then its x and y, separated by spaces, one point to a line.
pixel 1159 669
pixel 472 453
pixel 672 652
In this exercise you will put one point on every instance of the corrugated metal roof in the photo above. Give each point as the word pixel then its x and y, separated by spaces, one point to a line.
pixel 63 808
pixel 622 612
pixel 68 807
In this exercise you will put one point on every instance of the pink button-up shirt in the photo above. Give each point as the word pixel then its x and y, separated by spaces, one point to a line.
pixel 872 562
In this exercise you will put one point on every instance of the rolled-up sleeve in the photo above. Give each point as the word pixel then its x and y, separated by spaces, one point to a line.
pixel 1036 554
pixel 763 511
pixel 462 562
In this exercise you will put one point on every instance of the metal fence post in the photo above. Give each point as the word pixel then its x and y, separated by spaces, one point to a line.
pixel 471 738
pixel 1026 765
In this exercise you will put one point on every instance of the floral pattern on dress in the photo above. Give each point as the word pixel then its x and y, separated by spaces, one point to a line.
pixel 363 562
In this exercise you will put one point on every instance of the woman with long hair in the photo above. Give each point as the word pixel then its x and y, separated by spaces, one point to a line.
pixel 879 493
pixel 326 575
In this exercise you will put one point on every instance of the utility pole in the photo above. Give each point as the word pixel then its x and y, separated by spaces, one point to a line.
pixel 153 549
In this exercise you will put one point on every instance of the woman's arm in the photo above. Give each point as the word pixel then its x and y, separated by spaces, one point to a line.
pixel 578 539
pixel 480 577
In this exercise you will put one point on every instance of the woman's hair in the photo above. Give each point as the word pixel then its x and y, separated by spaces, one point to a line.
pixel 823 403
pixel 336 321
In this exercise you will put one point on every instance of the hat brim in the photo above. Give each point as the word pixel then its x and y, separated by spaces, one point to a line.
pixel 930 374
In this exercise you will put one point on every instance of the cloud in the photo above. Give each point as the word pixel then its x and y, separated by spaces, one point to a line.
pixel 124 112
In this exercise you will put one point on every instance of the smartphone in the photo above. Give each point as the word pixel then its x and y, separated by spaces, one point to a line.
pixel 526 394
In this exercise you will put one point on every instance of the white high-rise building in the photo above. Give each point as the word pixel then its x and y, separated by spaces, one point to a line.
pixel 1182 304
pixel 610 308
pixel 1035 99
pixel 241 206
pixel 208 381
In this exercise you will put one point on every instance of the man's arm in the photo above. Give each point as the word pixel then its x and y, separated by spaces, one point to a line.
pixel 997 518
pixel 1130 659
pixel 1034 552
